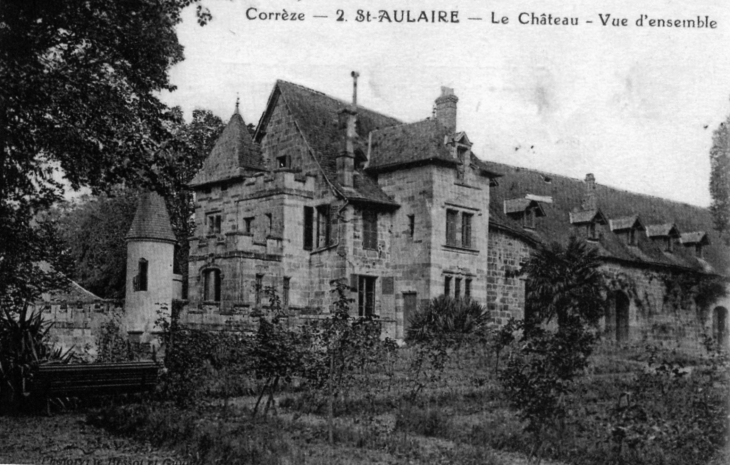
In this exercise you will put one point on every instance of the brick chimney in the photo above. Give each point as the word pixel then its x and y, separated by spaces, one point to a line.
pixel 589 199
pixel 446 108
pixel 346 157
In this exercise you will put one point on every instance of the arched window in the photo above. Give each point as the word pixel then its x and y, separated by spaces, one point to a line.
pixel 212 285
pixel 140 281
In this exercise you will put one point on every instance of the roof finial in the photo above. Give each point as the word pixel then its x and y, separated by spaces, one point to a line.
pixel 237 101
pixel 354 75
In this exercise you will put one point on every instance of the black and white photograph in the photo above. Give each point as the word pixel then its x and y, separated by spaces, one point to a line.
pixel 348 232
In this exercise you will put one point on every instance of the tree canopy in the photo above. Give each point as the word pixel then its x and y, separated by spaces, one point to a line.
pixel 79 99
pixel 94 228
pixel 720 179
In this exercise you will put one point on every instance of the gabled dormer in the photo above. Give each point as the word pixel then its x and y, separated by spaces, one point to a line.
pixel 589 221
pixel 524 210
pixel 462 153
pixel 696 240
pixel 627 228
pixel 665 235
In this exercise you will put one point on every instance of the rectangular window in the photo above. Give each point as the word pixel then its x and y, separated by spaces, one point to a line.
pixel 285 293
pixel 139 282
pixel 323 226
pixel 632 236
pixel 411 225
pixel 698 251
pixel 283 162
pixel 214 224
pixel 670 244
pixel 308 239
pixel 451 218
pixel 259 288
pixel 461 168
pixel 269 224
pixel 366 296
pixel 528 219
pixel 212 286
pixel 466 229
pixel 591 231
pixel 447 285
pixel 457 288
pixel 248 225
pixel 467 288
pixel 369 230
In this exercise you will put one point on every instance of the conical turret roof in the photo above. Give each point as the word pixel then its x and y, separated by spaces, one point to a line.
pixel 234 152
pixel 151 221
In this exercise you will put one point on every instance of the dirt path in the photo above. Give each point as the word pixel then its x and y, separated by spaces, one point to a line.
pixel 66 439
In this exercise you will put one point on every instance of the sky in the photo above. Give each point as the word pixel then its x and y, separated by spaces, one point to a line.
pixel 634 105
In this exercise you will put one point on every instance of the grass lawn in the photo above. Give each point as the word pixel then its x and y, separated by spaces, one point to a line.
pixel 623 410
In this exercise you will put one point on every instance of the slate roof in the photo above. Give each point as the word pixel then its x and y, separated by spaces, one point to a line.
pixel 627 222
pixel 151 220
pixel 586 216
pixel 567 194
pixel 696 237
pixel 662 230
pixel 234 153
pixel 317 117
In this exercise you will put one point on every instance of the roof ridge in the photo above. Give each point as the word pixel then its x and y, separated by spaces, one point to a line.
pixel 547 173
pixel 344 102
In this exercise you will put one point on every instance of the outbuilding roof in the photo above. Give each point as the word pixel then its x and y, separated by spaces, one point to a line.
pixel 567 195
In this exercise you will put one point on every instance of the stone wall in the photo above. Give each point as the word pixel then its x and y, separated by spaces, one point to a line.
pixel 506 290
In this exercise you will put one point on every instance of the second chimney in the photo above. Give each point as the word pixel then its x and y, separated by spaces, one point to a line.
pixel 589 198
pixel 446 108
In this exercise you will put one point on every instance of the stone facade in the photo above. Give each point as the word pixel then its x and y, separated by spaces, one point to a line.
pixel 402 213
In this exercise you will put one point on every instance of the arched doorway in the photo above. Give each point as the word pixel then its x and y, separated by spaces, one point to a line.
pixel 621 312
pixel 719 325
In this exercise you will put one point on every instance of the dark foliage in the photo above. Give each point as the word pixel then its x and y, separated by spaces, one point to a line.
pixel 80 100
pixel 720 179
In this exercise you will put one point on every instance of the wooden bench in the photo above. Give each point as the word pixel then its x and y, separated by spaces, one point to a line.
pixel 85 380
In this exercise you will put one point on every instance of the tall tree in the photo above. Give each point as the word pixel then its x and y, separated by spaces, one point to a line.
pixel 80 80
pixel 720 179
pixel 94 229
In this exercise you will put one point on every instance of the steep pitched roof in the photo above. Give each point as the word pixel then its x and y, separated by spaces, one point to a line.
pixel 696 237
pixel 151 220
pixel 662 230
pixel 317 116
pixel 405 144
pixel 626 222
pixel 567 194
pixel 234 153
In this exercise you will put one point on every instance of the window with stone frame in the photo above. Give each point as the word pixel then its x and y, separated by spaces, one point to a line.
pixel 466 220
pixel 212 285
pixel 461 155
pixel 457 288
pixel 324 226
pixel 452 217
pixel 447 285
pixel 214 223
pixel 370 229
pixel 365 296
pixel 467 288
pixel 411 225
pixel 283 162
pixel 308 230
pixel 248 225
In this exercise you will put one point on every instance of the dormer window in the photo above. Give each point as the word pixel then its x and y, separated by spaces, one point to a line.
pixel 625 228
pixel 665 234
pixel 524 210
pixel 697 240
pixel 589 220
pixel 461 156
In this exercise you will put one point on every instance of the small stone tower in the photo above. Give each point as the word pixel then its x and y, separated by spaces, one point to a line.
pixel 150 255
